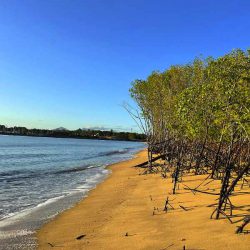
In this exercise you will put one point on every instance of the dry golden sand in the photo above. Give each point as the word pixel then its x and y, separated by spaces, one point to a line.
pixel 122 205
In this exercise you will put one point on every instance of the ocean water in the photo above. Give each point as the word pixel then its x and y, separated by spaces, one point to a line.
pixel 40 177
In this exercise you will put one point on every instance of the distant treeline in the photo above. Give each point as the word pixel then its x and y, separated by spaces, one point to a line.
pixel 79 133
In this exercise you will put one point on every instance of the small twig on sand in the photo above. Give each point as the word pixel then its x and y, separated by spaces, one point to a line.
pixel 129 234
pixel 185 209
pixel 80 236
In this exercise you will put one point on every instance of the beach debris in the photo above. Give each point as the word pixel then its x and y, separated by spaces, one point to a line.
pixel 184 208
pixel 145 164
pixel 80 236
pixel 127 234
pixel 240 229
pixel 52 245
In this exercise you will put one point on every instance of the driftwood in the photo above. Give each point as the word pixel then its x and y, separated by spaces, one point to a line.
pixel 144 164
pixel 127 234
pixel 245 222
pixel 80 236
pixel 185 209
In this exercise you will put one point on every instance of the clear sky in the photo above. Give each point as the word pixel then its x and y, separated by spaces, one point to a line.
pixel 70 63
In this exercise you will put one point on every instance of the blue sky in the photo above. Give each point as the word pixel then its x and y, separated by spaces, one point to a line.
pixel 70 63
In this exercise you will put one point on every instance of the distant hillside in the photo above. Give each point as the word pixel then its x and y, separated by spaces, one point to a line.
pixel 60 129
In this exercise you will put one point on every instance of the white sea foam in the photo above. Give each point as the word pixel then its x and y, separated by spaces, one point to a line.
pixel 91 182
pixel 51 200
pixel 14 233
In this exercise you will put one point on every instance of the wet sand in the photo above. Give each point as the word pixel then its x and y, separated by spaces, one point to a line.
pixel 126 212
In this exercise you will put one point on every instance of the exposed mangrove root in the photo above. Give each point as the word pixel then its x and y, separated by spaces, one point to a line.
pixel 167 203
pixel 245 222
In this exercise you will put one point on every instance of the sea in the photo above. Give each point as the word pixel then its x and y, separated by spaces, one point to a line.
pixel 41 177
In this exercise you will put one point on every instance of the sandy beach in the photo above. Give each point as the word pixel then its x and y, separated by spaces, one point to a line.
pixel 126 212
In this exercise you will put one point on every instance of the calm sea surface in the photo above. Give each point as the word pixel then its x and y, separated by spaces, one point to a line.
pixel 40 177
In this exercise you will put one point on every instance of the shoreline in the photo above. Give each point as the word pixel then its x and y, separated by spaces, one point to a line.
pixel 125 211
pixel 18 230
pixel 136 159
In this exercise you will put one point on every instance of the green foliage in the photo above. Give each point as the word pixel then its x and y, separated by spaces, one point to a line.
pixel 204 99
